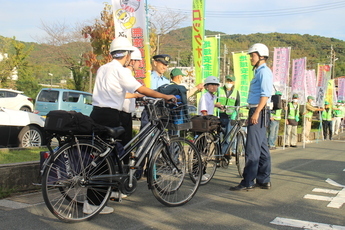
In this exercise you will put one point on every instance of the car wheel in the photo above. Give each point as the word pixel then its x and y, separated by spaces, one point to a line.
pixel 30 136
pixel 25 108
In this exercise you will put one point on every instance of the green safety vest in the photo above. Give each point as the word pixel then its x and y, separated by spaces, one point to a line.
pixel 309 114
pixel 224 100
pixel 293 113
pixel 338 113
pixel 227 100
pixel 327 115
pixel 277 114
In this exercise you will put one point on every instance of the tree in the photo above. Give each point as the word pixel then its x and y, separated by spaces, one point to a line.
pixel 26 80
pixel 101 35
pixel 161 23
pixel 15 62
pixel 6 66
pixel 69 47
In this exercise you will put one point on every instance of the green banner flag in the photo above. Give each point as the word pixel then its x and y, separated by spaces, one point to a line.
pixel 244 74
pixel 198 34
pixel 210 57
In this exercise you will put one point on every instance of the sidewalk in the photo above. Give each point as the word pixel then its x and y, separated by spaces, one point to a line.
pixel 339 137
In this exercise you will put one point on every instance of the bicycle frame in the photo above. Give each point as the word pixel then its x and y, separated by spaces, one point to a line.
pixel 231 136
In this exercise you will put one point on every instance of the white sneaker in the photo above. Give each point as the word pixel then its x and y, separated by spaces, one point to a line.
pixel 205 177
pixel 116 195
pixel 89 208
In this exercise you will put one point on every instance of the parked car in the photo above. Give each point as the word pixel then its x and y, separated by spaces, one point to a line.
pixel 21 129
pixel 63 99
pixel 14 99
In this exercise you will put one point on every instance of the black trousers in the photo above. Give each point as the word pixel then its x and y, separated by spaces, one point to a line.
pixel 111 118
pixel 327 128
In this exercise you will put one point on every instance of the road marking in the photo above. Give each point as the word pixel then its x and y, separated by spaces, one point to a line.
pixel 334 202
pixel 13 204
pixel 305 224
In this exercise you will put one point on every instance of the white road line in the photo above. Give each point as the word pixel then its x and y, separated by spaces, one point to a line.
pixel 332 182
pixel 317 197
pixel 305 224
pixel 334 202
pixel 328 191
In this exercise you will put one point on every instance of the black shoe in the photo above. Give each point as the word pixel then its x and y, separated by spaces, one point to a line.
pixel 286 146
pixel 241 188
pixel 294 146
pixel 263 185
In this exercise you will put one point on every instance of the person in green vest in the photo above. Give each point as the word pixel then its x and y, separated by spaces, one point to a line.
pixel 292 122
pixel 338 113
pixel 327 117
pixel 274 126
pixel 228 95
pixel 308 115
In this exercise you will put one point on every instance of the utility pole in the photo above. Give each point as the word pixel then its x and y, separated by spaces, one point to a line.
pixel 333 59
pixel 224 59
pixel 178 58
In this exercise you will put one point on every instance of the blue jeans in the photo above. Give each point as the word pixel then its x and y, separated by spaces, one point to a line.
pixel 273 133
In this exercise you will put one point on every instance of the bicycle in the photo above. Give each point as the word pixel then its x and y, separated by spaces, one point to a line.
pixel 88 166
pixel 210 145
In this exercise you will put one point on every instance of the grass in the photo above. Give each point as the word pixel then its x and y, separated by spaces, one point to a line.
pixel 8 156
pixel 4 192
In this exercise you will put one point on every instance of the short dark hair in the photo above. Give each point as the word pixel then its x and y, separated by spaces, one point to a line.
pixel 119 54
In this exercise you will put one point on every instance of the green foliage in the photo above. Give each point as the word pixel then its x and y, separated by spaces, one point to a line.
pixel 5 192
pixel 317 49
pixel 8 156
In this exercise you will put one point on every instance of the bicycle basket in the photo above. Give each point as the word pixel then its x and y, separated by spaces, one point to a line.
pixel 178 119
pixel 157 112
pixel 205 123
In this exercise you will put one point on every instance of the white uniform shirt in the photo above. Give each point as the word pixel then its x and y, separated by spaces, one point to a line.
pixel 112 82
pixel 129 103
pixel 206 102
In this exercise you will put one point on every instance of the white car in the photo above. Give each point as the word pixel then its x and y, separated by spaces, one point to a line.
pixel 14 99
pixel 21 129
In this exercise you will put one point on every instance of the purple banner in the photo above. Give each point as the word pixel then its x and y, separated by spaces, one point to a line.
pixel 298 78
pixel 281 60
pixel 310 82
pixel 341 89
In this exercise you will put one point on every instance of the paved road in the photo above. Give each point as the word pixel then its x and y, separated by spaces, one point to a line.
pixel 308 190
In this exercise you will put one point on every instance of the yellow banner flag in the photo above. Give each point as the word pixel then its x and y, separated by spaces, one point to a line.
pixel 198 34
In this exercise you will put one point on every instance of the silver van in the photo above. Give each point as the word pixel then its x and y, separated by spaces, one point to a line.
pixel 63 99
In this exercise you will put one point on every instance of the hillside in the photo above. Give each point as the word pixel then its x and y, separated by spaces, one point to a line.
pixel 317 49
pixel 178 44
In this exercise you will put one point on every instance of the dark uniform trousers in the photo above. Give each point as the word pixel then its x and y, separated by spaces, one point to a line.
pixel 258 158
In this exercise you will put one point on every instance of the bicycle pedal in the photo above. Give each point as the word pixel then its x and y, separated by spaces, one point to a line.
pixel 116 199
pixel 224 163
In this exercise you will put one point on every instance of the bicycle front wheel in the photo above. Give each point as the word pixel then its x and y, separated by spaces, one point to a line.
pixel 209 150
pixel 240 152
pixel 175 172
pixel 65 183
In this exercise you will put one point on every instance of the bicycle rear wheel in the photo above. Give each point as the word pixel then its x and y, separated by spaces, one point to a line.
pixel 65 182
pixel 175 172
pixel 209 150
pixel 240 152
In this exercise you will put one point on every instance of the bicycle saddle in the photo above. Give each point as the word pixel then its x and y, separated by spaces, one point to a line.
pixel 114 131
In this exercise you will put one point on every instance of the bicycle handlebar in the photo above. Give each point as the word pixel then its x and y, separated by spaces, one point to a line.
pixel 152 100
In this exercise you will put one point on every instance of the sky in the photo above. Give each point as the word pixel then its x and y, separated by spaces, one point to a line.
pixel 23 19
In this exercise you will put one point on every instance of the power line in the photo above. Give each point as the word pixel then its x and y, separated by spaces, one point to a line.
pixel 265 13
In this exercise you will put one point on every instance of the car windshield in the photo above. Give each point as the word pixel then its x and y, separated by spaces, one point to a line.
pixel 48 96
